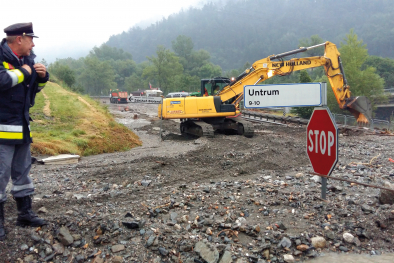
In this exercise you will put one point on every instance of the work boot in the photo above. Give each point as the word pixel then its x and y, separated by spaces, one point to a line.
pixel 2 230
pixel 26 216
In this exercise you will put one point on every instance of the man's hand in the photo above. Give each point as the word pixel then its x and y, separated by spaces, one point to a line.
pixel 27 67
pixel 40 69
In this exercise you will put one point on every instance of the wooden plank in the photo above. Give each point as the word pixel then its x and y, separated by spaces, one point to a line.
pixel 61 159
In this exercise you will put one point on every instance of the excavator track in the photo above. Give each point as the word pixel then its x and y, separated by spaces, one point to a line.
pixel 247 127
pixel 197 128
pixel 240 125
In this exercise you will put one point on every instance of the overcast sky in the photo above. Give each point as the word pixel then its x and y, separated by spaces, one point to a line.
pixel 72 28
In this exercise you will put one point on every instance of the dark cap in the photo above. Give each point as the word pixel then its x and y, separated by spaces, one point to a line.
pixel 20 29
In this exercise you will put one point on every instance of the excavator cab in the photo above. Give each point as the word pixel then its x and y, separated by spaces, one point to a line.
pixel 211 87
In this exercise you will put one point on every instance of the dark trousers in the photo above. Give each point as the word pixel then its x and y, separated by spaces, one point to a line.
pixel 15 163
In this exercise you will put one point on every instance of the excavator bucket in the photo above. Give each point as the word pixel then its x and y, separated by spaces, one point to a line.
pixel 361 109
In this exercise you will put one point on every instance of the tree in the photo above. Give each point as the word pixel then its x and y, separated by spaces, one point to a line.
pixel 134 83
pixel 362 82
pixel 123 69
pixel 303 112
pixel 44 62
pixel 105 52
pixel 97 77
pixel 185 82
pixel 63 73
pixel 163 68
pixel 183 47
pixel 384 67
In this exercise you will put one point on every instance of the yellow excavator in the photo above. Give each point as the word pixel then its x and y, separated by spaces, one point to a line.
pixel 201 116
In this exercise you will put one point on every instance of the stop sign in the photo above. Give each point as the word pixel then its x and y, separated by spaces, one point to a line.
pixel 322 141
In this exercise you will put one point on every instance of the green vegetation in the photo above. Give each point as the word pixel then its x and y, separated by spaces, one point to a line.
pixel 65 122
pixel 175 58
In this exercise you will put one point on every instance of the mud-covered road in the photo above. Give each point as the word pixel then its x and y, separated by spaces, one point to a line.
pixel 222 199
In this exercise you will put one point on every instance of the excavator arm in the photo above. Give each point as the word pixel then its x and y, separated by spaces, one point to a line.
pixel 266 68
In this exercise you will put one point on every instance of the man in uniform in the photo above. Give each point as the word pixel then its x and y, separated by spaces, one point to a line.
pixel 20 80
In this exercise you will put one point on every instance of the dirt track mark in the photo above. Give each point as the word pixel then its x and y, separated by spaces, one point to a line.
pixel 47 109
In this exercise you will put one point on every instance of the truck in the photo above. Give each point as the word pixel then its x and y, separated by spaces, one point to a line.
pixel 203 115
pixel 117 96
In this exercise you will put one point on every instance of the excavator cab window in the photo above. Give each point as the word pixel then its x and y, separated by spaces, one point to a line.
pixel 213 86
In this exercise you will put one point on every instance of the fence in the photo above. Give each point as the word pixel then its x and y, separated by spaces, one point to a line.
pixel 340 120
pixel 351 121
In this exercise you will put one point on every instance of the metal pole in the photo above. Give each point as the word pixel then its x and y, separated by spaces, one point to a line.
pixel 323 188
pixel 324 180
pixel 161 120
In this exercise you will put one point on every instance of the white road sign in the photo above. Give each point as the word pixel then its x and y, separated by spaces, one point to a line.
pixel 146 100
pixel 285 95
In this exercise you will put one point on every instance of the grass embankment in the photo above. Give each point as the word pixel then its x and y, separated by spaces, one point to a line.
pixel 67 122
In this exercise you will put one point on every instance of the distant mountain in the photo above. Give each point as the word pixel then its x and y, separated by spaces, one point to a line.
pixel 248 30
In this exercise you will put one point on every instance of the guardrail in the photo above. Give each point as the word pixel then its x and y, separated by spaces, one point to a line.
pixel 389 90
pixel 348 120
pixel 340 119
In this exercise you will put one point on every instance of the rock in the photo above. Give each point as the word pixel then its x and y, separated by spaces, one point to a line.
pixel 344 249
pixel 117 248
pixel 35 237
pixel 280 225
pixel 318 242
pixel 146 182
pixel 117 259
pixel 65 237
pixel 29 258
pixel 266 254
pixel 311 253
pixel 303 247
pixel 185 248
pixel 316 179
pixel 367 209
pixel 349 238
pixel 209 254
pixel 226 258
pixel 98 259
pixel 385 196
pixel 24 247
pixel 150 240
pixel 78 258
pixel 285 242
pixel 288 258
pixel 357 241
pixel 78 196
pixel 42 210
pixel 329 234
pixel 174 216
pixel 130 225
pixel 58 248
pixel 163 251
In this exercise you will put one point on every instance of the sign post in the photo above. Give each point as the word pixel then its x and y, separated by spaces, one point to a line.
pixel 322 144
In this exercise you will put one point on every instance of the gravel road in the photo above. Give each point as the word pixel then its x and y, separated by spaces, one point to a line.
pixel 222 199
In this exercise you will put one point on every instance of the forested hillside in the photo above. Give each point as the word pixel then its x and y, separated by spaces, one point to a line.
pixel 223 40
pixel 247 30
